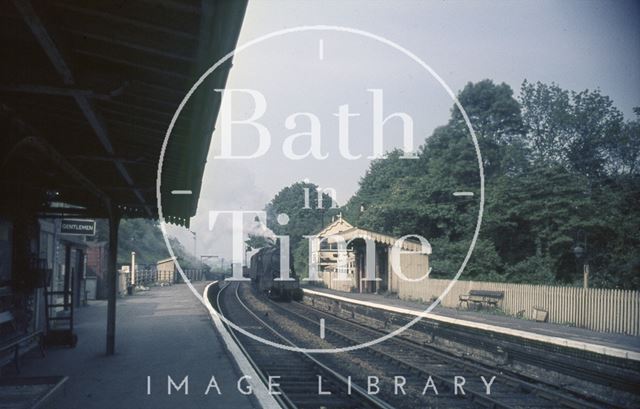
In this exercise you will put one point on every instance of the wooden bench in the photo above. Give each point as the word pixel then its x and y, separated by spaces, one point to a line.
pixel 480 298
pixel 12 339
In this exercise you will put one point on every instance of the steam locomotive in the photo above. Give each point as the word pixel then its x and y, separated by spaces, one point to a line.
pixel 265 268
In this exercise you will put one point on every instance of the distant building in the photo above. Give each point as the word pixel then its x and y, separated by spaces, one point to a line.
pixel 166 270
pixel 325 255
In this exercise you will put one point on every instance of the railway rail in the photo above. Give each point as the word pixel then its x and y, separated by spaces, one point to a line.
pixel 608 380
pixel 514 391
pixel 299 324
pixel 300 388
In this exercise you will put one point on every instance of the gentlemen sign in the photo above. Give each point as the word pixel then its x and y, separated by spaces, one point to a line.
pixel 74 226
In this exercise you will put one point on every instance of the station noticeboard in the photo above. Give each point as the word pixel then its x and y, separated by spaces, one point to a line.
pixel 84 227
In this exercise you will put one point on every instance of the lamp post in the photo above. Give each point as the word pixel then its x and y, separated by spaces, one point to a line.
pixel 581 253
pixel 133 268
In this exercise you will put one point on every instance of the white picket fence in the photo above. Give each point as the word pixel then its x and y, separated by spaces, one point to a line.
pixel 603 310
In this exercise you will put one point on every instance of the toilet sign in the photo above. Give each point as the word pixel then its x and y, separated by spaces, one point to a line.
pixel 76 226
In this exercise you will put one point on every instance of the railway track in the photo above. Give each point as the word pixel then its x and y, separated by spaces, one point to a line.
pixel 611 382
pixel 509 391
pixel 301 324
pixel 297 373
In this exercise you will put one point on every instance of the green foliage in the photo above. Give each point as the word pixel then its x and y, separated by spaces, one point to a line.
pixel 572 129
pixel 447 257
pixel 145 238
pixel 556 163
pixel 538 214
pixel 532 270
pixel 492 110
pixel 303 220
pixel 383 175
pixel 186 259
pixel 624 149
pixel 301 259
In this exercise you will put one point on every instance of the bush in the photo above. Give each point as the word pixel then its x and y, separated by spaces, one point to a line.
pixel 533 270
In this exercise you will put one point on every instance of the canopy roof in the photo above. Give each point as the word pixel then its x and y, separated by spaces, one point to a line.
pixel 342 228
pixel 87 91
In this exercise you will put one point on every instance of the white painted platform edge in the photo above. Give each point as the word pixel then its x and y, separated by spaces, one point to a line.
pixel 569 343
pixel 260 391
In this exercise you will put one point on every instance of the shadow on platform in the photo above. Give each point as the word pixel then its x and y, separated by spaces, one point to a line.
pixel 162 333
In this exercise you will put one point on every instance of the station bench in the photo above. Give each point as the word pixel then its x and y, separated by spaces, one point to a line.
pixel 480 298
pixel 11 339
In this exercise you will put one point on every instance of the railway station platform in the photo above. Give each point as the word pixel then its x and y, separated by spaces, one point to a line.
pixel 162 332
pixel 620 345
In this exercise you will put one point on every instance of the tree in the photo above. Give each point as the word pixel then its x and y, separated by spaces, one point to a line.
pixel 537 215
pixel 303 218
pixel 416 196
pixel 623 150
pixel 382 177
pixel 145 238
pixel 560 167
pixel 613 246
pixel 572 129
pixel 588 161
pixel 186 259
pixel 492 110
pixel 485 263
pixel 497 122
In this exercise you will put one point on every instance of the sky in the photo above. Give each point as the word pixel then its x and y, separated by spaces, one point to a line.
pixel 307 76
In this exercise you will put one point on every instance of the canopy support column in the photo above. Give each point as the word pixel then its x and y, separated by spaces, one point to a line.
pixel 112 279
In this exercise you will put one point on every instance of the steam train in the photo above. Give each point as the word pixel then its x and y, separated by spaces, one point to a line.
pixel 265 269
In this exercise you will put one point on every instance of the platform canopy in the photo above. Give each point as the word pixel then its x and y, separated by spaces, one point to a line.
pixel 87 91
pixel 342 228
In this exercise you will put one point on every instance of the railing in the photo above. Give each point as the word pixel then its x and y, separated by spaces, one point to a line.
pixel 192 275
pixel 159 277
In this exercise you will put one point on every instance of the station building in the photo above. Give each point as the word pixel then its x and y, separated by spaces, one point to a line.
pixel 166 270
pixel 414 263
